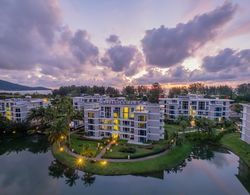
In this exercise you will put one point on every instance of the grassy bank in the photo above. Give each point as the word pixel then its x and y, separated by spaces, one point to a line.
pixel 169 160
pixel 233 142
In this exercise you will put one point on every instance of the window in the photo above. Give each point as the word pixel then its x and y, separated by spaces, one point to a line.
pixel 108 112
pixel 139 108
pixel 125 112
pixel 201 106
pixel 91 121
pixel 142 125
pixel 141 118
pixel 142 132
pixel 91 115
pixel 185 105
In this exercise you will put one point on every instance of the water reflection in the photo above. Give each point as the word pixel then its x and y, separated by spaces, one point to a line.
pixel 213 170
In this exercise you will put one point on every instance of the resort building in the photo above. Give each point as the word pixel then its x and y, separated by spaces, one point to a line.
pixel 195 105
pixel 137 122
pixel 17 109
pixel 245 130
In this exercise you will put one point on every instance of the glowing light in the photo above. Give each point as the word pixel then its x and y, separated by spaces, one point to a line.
pixel 104 162
pixel 61 149
pixel 79 161
pixel 62 137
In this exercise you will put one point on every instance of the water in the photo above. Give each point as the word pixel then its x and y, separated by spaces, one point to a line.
pixel 27 167
pixel 30 92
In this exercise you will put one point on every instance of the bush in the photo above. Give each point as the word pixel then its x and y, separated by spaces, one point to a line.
pixel 127 150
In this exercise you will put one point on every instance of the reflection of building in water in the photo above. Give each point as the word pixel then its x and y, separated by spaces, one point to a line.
pixel 244 175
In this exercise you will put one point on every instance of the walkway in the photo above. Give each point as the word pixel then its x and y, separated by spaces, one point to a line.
pixel 99 156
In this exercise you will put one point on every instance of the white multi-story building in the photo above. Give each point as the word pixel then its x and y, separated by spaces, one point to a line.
pixel 134 121
pixel 245 131
pixel 195 105
pixel 17 109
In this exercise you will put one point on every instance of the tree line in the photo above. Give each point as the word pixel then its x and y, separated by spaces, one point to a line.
pixel 150 93
pixel 240 93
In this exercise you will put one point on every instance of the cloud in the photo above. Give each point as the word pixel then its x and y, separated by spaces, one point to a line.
pixel 125 59
pixel 165 47
pixel 227 65
pixel 113 39
pixel 82 48
pixel 32 36
pixel 227 59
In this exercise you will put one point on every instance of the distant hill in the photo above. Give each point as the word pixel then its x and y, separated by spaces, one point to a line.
pixel 8 86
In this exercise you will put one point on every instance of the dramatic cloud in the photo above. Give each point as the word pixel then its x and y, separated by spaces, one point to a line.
pixel 82 48
pixel 165 47
pixel 227 65
pixel 125 59
pixel 32 36
pixel 227 59
pixel 113 39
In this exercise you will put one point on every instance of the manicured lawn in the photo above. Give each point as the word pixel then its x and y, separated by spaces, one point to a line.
pixel 168 160
pixel 140 150
pixel 233 142
pixel 79 144
pixel 171 128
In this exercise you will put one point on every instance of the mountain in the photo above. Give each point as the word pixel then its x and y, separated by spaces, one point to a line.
pixel 8 86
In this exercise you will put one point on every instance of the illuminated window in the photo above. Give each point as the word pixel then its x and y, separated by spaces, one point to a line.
pixel 141 118
pixel 142 125
pixel 125 112
pixel 139 108
pixel 91 114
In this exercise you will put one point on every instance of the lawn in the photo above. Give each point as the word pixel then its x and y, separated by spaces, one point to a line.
pixel 169 160
pixel 233 142
pixel 171 128
pixel 140 150
pixel 78 143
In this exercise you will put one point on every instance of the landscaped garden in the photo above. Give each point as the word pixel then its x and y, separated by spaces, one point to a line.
pixel 86 147
pixel 168 160
pixel 124 150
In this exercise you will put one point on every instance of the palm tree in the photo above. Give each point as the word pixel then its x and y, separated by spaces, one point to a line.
pixel 58 128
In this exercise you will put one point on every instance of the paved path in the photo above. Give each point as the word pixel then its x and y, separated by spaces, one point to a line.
pixel 191 131
pixel 98 157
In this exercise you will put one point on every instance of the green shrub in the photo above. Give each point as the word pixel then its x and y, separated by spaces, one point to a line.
pixel 127 150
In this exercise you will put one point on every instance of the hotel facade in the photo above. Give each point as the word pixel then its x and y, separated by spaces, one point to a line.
pixel 137 122
pixel 17 109
pixel 245 130
pixel 195 105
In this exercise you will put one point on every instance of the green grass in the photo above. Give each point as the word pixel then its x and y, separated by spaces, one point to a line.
pixel 171 128
pixel 79 144
pixel 141 150
pixel 233 142
pixel 169 160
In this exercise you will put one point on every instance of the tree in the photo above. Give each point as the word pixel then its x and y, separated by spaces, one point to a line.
pixel 154 93
pixel 129 92
pixel 88 179
pixel 175 91
pixel 196 88
pixel 142 91
pixel 183 125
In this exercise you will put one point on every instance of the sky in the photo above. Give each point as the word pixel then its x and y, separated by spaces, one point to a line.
pixel 54 43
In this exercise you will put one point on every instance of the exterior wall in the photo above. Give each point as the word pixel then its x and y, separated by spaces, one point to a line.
pixel 17 109
pixel 245 132
pixel 196 106
pixel 130 120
